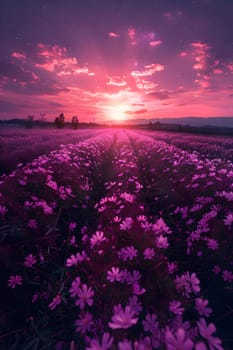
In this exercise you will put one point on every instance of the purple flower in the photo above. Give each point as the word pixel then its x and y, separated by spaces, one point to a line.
pixel 175 307
pixel 126 224
pixel 123 318
pixel 178 341
pixel 212 244
pixel 30 260
pixel 206 332
pixel 150 324
pixel 114 274
pixel 202 307
pixel 162 242
pixel 228 220
pixel 55 302
pixel 15 280
pixel 84 323
pixel 104 344
pixel 85 295
pixel 97 238
pixel 149 253
pixel 74 288
pixel 227 276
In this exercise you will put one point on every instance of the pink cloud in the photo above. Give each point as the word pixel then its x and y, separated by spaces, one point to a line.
pixel 218 71
pixel 132 36
pixel 201 55
pixel 154 67
pixel 54 58
pixel 137 112
pixel 183 54
pixel 145 85
pixel 113 35
pixel 117 81
pixel 155 43
pixel 18 55
pixel 149 70
pixel 230 67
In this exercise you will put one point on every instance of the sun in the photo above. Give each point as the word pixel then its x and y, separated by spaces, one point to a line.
pixel 118 113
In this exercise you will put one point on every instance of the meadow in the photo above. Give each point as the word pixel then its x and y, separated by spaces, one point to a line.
pixel 118 240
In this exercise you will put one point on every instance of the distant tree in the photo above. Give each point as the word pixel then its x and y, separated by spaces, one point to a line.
pixel 150 125
pixel 60 121
pixel 30 121
pixel 74 122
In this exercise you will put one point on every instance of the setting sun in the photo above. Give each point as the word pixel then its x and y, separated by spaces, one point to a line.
pixel 118 113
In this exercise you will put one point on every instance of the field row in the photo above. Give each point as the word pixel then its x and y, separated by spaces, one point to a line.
pixel 117 242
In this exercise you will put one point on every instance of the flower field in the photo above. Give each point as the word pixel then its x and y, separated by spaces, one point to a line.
pixel 120 241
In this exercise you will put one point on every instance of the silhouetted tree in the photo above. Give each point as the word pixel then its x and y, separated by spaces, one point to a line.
pixel 74 122
pixel 60 121
pixel 30 121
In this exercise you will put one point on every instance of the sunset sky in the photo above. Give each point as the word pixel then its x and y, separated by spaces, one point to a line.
pixel 112 60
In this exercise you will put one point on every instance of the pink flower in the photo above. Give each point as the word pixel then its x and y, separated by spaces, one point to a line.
pixel 15 280
pixel 175 307
pixel 72 261
pixel 150 324
pixel 206 332
pixel 187 284
pixel 83 324
pixel 149 253
pixel 212 244
pixel 227 276
pixel 97 238
pixel 161 242
pixel 128 253
pixel 85 295
pixel 172 266
pixel 137 290
pixel 74 288
pixel 30 260
pixel 228 219
pixel 200 346
pixel 104 344
pixel 55 302
pixel 3 210
pixel 114 274
pixel 32 224
pixel 133 277
pixel 160 227
pixel 126 224
pixel 177 341
pixel 72 226
pixel 202 307
pixel 123 318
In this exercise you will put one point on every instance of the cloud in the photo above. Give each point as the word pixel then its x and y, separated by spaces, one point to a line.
pixel 132 35
pixel 53 58
pixel 183 54
pixel 14 72
pixel 113 35
pixel 117 81
pixel 230 67
pixel 136 112
pixel 145 85
pixel 155 43
pixel 160 95
pixel 149 70
pixel 6 106
pixel 200 53
pixel 18 55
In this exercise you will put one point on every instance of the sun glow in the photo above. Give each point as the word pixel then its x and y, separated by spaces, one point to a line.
pixel 118 113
